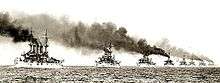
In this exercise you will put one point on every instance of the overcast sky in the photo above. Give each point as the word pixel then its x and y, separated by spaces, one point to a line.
pixel 189 24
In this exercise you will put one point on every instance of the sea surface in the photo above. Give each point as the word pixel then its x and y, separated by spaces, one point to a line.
pixel 84 74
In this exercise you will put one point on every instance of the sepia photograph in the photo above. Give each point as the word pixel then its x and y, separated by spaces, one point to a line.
pixel 109 41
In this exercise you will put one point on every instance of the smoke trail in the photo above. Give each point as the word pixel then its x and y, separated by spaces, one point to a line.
pixel 92 36
pixel 8 29
pixel 98 34
pixel 174 51
pixel 147 50
pixel 206 58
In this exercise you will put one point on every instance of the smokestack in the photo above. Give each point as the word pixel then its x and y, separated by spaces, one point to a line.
pixel 46 41
pixel 34 48
pixel 41 49
pixel 45 48
pixel 37 48
pixel 31 47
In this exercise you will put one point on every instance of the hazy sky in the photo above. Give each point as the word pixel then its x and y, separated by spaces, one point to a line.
pixel 189 24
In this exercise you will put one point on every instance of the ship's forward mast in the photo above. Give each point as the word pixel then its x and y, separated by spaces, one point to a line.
pixel 38 54
pixel 107 58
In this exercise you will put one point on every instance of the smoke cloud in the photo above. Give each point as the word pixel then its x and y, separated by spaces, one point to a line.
pixel 179 52
pixel 77 35
pixel 93 36
pixel 8 29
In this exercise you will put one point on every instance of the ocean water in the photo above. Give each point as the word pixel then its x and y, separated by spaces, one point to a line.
pixel 89 74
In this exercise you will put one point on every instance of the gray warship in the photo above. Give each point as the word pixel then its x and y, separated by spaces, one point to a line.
pixel 202 63
pixel 183 62
pixel 145 61
pixel 37 56
pixel 192 63
pixel 168 62
pixel 107 59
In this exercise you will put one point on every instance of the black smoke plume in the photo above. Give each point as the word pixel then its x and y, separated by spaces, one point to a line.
pixel 17 33
pixel 179 52
pixel 82 35
pixel 147 50
pixel 98 34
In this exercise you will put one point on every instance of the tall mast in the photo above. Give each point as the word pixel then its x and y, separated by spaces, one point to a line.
pixel 46 38
pixel 46 41
pixel 31 41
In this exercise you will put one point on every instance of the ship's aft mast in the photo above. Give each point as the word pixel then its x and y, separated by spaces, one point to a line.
pixel 31 41
pixel 46 41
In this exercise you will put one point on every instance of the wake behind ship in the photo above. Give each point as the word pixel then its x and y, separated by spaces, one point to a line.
pixel 37 56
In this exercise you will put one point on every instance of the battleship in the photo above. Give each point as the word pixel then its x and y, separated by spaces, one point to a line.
pixel 37 56
pixel 192 63
pixel 46 69
pixel 202 63
pixel 168 62
pixel 211 64
pixel 145 61
pixel 107 60
pixel 183 62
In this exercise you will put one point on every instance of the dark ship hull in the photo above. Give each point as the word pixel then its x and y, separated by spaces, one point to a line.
pixel 37 65
pixel 107 61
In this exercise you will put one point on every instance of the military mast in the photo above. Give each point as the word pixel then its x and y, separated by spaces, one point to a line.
pixel 183 62
pixel 46 42
pixel 107 58
pixel 31 41
pixel 38 56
